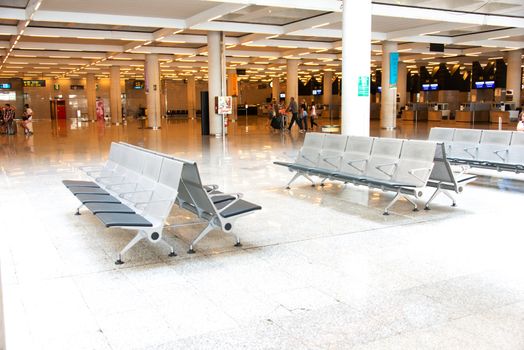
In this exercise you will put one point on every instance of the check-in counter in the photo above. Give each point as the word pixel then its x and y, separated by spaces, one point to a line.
pixel 438 112
pixel 506 116
pixel 477 112
pixel 415 112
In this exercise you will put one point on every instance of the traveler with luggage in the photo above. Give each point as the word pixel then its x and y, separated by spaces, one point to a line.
pixel 293 108
pixel 27 120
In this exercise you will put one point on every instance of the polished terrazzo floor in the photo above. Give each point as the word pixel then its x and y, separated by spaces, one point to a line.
pixel 320 268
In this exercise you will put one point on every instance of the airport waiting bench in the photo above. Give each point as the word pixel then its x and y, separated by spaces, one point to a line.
pixel 136 190
pixel 499 150
pixel 405 167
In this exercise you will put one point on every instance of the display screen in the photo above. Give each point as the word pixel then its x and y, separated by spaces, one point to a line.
pixel 425 87
pixel 433 87
pixel 317 92
pixel 138 84
pixel 5 85
pixel 379 89
pixel 34 83
pixel 488 84
pixel 282 95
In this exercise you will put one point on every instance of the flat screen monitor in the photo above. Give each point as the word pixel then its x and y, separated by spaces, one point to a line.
pixel 282 95
pixel 425 87
pixel 433 87
pixel 317 92
pixel 5 85
pixel 490 84
pixel 379 89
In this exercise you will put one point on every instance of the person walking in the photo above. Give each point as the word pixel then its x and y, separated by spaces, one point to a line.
pixel 293 108
pixel 313 114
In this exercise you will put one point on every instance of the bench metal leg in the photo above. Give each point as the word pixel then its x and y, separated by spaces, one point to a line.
pixel 139 236
pixel 310 179
pixel 433 196
pixel 412 202
pixel 454 203
pixel 322 183
pixel 78 209
pixel 436 193
pixel 296 176
pixel 172 252
pixel 201 235
pixel 238 244
pixel 397 197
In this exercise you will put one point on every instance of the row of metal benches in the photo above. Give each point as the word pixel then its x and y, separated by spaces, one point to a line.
pixel 136 190
pixel 493 149
pixel 402 166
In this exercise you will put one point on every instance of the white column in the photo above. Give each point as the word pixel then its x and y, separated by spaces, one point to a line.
pixel 356 65
pixel 91 96
pixel 2 319
pixel 388 97
pixel 327 96
pixel 292 81
pixel 152 82
pixel 216 78
pixel 191 97
pixel 115 96
pixel 402 84
pixel 514 74
pixel 275 90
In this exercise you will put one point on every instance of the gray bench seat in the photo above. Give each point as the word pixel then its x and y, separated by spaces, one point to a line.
pixel 239 207
pixel 88 190
pixel 97 208
pixel 123 220
pixel 79 183
pixel 96 198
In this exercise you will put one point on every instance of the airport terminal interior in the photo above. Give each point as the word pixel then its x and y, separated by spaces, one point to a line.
pixel 293 174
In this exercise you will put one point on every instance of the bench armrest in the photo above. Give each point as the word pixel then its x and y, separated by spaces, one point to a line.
pixel 357 161
pixel 379 168
pixel 306 158
pixel 102 178
pixel 237 196
pixel 332 157
pixel 121 184
pixel 413 172
pixel 501 151
pixel 469 148
pixel 126 195
pixel 210 188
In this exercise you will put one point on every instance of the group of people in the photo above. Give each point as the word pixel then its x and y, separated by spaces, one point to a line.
pixel 7 120
pixel 299 115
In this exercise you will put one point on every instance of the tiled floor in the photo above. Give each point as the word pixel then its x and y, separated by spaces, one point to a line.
pixel 320 268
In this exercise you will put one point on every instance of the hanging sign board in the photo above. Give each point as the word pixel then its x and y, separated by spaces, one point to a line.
pixel 363 86
pixel 393 70
pixel 34 83
pixel 225 105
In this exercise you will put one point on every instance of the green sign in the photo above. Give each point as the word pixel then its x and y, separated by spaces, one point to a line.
pixel 363 85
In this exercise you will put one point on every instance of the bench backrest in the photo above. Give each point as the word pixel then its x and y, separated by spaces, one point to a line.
pixel 441 134
pixel 494 145
pixel 333 148
pixel 160 202
pixel 516 148
pixel 442 171
pixel 384 155
pixel 415 163
pixel 310 151
pixel 356 156
pixel 192 192
pixel 465 143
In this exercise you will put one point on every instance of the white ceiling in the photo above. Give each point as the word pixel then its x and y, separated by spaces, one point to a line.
pixel 72 38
